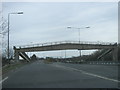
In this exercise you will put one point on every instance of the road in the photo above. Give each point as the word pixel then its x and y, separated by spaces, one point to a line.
pixel 62 75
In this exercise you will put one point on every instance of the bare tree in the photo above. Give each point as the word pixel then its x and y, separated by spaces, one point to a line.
pixel 3 42
pixel 3 36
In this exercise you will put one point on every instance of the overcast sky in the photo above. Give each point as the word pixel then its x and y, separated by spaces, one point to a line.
pixel 48 22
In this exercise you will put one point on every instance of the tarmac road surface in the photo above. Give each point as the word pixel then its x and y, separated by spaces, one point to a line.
pixel 62 75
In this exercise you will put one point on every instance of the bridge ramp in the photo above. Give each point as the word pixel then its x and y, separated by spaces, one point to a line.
pixel 24 56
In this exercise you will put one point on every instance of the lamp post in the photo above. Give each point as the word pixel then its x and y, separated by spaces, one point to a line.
pixel 9 30
pixel 78 33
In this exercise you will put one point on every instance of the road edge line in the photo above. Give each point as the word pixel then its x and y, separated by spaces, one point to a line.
pixel 3 80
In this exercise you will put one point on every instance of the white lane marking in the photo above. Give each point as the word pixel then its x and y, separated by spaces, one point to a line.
pixel 87 73
pixel 101 77
pixel 3 80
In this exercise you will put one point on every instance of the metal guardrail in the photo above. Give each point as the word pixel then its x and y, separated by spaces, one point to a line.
pixel 65 42
pixel 105 62
pixel 96 62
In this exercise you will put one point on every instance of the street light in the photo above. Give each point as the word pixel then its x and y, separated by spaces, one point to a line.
pixel 8 29
pixel 78 33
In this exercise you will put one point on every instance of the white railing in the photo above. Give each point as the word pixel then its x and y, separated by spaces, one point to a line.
pixel 65 42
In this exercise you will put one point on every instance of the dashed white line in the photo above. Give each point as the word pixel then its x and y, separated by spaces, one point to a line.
pixel 3 80
pixel 87 73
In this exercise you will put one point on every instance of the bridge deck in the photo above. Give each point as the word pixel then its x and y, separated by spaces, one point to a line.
pixel 62 45
pixel 70 42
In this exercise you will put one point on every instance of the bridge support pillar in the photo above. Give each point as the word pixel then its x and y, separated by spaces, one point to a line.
pixel 115 54
pixel 16 55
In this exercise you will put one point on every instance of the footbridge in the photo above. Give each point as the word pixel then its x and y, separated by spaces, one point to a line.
pixel 64 45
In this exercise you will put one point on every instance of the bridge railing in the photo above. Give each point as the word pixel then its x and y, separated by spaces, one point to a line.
pixel 65 42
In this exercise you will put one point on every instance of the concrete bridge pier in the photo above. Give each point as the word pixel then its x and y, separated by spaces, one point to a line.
pixel 16 55
pixel 115 54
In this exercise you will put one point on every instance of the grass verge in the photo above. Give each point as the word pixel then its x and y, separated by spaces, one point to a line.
pixel 10 67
